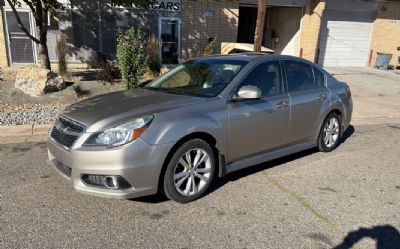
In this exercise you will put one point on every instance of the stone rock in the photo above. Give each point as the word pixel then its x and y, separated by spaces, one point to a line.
pixel 36 81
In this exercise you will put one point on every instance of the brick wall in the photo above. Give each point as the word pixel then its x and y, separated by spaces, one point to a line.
pixel 386 32
pixel 310 28
pixel 3 51
pixel 197 27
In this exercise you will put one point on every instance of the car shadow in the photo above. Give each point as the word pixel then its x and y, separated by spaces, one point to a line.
pixel 220 182
pixel 386 237
pixel 152 199
pixel 273 163
pixel 234 176
pixel 347 133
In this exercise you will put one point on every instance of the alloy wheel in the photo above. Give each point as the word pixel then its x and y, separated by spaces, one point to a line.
pixel 331 132
pixel 192 172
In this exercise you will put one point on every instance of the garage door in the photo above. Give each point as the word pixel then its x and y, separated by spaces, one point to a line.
pixel 344 38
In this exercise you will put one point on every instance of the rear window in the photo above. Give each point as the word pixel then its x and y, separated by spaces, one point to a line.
pixel 300 76
pixel 330 81
pixel 319 77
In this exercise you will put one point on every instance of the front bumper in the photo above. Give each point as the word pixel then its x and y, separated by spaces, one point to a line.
pixel 138 162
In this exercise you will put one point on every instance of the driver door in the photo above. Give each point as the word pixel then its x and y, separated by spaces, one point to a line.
pixel 257 126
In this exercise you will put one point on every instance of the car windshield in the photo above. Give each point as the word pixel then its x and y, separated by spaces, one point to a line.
pixel 203 78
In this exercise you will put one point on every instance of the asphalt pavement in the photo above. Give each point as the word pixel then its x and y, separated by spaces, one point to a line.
pixel 307 200
pixel 347 198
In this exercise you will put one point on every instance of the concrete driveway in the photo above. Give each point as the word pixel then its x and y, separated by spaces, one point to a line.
pixel 350 197
pixel 376 93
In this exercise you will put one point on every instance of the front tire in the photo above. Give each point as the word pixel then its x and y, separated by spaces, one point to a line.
pixel 190 171
pixel 330 133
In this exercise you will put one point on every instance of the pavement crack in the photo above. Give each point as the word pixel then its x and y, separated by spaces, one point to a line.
pixel 305 205
pixel 301 200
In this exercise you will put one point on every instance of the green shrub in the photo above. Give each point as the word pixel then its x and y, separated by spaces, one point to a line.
pixel 62 50
pixel 131 54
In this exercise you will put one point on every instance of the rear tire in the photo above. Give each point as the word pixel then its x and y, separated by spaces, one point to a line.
pixel 330 133
pixel 190 171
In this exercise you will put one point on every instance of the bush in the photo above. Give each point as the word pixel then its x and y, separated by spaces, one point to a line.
pixel 132 59
pixel 62 50
pixel 154 56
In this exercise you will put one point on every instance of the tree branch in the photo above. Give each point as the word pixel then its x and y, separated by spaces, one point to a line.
pixel 31 7
pixel 20 23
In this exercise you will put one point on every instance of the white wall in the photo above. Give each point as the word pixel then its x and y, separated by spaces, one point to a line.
pixel 286 23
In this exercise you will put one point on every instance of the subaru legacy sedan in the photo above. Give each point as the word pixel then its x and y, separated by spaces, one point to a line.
pixel 202 120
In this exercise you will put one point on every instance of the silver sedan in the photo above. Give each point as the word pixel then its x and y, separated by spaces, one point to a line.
pixel 202 120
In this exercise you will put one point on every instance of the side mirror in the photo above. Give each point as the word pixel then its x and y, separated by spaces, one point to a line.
pixel 247 92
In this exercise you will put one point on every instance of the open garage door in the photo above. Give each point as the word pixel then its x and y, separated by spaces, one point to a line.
pixel 344 38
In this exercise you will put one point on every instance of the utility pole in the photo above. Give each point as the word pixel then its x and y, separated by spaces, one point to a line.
pixel 258 37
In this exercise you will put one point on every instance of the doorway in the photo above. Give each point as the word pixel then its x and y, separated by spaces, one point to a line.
pixel 281 28
pixel 247 24
pixel 169 37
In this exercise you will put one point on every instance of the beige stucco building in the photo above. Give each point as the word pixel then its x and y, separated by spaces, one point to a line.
pixel 328 32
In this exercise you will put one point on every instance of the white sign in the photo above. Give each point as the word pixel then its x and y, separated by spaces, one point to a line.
pixel 166 5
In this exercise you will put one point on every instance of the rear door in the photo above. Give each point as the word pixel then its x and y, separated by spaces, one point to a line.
pixel 308 97
pixel 256 126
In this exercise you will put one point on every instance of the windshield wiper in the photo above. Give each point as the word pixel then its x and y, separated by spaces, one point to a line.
pixel 176 91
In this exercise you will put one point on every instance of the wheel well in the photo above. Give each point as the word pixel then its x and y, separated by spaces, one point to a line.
pixel 339 113
pixel 199 135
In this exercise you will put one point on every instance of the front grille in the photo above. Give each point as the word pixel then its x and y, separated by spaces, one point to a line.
pixel 63 139
pixel 66 132
pixel 73 126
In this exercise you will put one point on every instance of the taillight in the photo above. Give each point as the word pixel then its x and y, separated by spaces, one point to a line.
pixel 348 91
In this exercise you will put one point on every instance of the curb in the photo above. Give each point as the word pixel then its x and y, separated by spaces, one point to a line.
pixel 24 130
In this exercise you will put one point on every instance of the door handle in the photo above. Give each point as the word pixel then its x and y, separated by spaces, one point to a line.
pixel 281 105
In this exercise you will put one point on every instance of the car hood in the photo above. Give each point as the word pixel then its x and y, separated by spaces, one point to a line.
pixel 111 109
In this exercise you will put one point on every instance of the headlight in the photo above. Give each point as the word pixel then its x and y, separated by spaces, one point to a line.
pixel 121 134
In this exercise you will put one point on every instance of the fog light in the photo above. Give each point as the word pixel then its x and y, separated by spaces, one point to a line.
pixel 105 181
pixel 111 182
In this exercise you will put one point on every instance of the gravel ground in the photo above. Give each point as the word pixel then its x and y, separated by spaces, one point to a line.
pixel 28 114
pixel 17 108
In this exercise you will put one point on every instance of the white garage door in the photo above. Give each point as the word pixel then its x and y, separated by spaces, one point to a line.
pixel 344 38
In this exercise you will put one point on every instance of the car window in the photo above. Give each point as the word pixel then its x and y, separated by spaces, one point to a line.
pixel 203 78
pixel 299 76
pixel 330 81
pixel 319 77
pixel 267 77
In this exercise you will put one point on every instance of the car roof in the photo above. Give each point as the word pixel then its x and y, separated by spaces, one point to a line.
pixel 247 56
